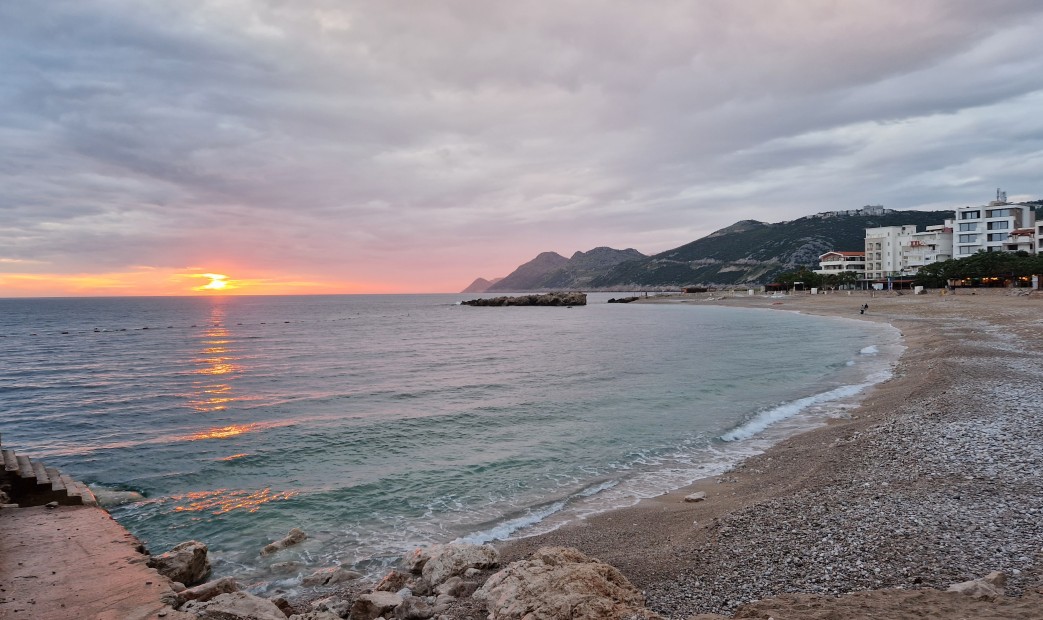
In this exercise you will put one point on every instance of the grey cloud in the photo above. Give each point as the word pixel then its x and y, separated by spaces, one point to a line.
pixel 347 130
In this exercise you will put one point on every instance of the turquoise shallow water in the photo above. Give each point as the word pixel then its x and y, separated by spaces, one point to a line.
pixel 377 423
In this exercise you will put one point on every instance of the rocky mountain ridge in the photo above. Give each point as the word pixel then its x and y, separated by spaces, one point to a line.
pixel 747 252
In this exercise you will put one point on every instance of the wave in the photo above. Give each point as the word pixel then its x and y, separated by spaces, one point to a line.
pixel 763 420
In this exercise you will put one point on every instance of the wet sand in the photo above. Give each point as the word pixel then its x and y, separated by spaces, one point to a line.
pixel 936 478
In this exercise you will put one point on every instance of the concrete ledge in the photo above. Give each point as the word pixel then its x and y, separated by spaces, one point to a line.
pixel 76 562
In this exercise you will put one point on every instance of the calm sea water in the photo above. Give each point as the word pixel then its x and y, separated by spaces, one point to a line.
pixel 377 423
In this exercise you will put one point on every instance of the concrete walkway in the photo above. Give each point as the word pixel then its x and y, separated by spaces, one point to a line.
pixel 76 562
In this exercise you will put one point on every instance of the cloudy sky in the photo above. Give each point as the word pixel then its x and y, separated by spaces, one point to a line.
pixel 331 146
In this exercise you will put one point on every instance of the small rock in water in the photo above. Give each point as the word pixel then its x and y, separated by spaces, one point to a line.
pixel 296 536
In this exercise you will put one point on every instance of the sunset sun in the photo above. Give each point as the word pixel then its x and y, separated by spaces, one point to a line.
pixel 217 282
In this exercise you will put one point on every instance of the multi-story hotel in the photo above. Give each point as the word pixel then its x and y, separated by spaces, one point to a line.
pixel 988 228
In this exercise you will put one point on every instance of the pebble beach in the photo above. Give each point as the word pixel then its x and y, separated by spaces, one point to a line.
pixel 935 478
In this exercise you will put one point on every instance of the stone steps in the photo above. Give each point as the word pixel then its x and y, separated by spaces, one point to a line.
pixel 31 483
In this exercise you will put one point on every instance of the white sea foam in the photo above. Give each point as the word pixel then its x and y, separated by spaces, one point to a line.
pixel 870 350
pixel 765 419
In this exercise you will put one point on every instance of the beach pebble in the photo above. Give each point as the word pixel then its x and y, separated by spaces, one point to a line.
pixel 698 496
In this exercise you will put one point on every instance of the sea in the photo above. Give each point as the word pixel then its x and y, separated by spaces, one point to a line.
pixel 379 423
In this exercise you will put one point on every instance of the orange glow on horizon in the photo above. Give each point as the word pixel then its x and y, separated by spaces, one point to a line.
pixel 153 281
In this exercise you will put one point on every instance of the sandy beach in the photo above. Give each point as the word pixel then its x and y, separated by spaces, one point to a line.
pixel 934 479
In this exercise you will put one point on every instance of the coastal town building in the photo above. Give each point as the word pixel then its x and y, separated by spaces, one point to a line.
pixel 884 250
pixel 839 262
pixel 1039 237
pixel 923 248
pixel 988 228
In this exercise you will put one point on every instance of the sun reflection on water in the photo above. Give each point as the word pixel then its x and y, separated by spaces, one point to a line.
pixel 218 363
pixel 223 432
pixel 221 501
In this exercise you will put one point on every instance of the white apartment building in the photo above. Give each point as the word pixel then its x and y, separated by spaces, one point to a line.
pixel 988 228
pixel 923 248
pixel 884 249
pixel 839 262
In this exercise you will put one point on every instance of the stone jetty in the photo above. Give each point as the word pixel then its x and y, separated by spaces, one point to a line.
pixel 544 299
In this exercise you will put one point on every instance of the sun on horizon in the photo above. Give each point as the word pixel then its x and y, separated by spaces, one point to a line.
pixel 218 282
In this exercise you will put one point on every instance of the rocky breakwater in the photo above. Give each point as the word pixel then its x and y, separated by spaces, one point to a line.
pixel 544 299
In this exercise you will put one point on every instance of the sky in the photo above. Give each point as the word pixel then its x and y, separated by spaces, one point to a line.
pixel 321 146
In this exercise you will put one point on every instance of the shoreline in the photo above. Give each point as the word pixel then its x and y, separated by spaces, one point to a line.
pixel 752 537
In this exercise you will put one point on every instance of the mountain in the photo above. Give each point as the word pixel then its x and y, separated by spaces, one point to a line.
pixel 480 285
pixel 551 270
pixel 755 252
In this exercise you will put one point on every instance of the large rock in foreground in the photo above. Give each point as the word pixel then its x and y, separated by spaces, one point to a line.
pixel 187 563
pixel 559 583
pixel 547 299
pixel 235 606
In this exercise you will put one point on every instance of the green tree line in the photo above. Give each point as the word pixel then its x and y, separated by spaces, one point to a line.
pixel 1005 265
pixel 980 265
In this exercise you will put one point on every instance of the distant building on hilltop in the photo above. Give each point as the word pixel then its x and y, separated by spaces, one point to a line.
pixel 874 210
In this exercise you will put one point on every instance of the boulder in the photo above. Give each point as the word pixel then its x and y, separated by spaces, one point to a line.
pixel 456 587
pixel 315 615
pixel 334 605
pixel 295 537
pixel 210 589
pixel 329 576
pixel 989 587
pixel 235 606
pixel 285 567
pixel 188 563
pixel 392 582
pixel 414 608
pixel 560 583
pixel 440 562
pixel 698 496
pixel 374 605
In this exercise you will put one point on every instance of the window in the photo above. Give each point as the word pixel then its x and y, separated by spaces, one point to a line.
pixel 966 250
pixel 1004 225
pixel 968 238
pixel 970 215
pixel 998 213
pixel 966 227
pixel 997 236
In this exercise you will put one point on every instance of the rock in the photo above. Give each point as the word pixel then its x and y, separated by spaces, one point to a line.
pixel 456 587
pixel 295 537
pixel 334 605
pixel 285 567
pixel 392 582
pixel 989 587
pixel 188 563
pixel 414 608
pixel 374 605
pixel 698 496
pixel 440 562
pixel 315 615
pixel 207 591
pixel 283 604
pixel 235 606
pixel 329 576
pixel 562 583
